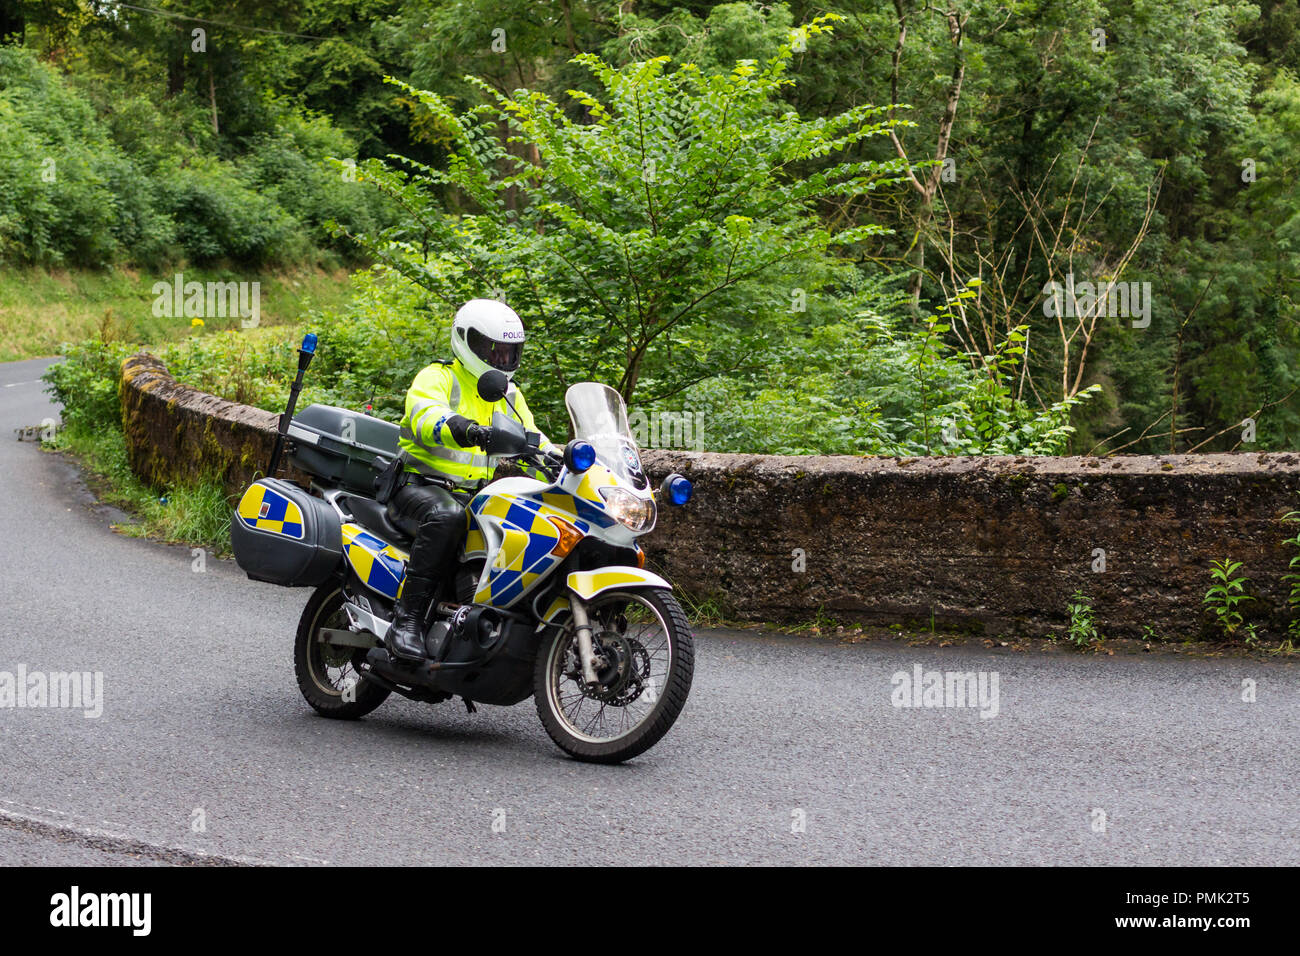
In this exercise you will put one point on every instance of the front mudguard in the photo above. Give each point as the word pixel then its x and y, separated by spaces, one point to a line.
pixel 586 585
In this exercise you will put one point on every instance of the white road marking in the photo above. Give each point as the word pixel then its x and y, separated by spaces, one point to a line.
pixel 95 838
pixel 34 381
pixel 28 806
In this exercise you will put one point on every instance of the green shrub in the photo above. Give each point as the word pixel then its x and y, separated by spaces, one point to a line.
pixel 143 182
pixel 298 166
pixel 845 386
pixel 142 231
pixel 1223 597
pixel 219 217
pixel 56 165
pixel 86 384
pixel 251 366
pixel 369 351
pixel 1292 577
pixel 1082 631
pixel 875 384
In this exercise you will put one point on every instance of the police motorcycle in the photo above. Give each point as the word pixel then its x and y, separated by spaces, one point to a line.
pixel 550 598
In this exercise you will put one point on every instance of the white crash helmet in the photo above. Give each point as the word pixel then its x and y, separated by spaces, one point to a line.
pixel 487 334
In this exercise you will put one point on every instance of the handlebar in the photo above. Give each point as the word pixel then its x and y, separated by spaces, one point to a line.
pixel 547 462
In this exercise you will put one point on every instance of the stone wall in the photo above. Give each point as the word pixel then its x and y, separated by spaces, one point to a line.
pixel 993 545
pixel 175 433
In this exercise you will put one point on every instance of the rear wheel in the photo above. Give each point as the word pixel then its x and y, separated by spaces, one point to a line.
pixel 646 658
pixel 328 676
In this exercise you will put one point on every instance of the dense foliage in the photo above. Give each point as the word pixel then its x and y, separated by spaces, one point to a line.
pixel 85 189
pixel 894 259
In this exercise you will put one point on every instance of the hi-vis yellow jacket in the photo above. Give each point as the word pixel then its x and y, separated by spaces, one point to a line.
pixel 440 391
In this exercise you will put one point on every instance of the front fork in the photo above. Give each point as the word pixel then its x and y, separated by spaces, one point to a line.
pixel 582 627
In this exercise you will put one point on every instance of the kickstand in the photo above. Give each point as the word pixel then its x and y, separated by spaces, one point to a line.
pixel 469 706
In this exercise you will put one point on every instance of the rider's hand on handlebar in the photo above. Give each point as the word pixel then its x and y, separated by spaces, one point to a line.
pixel 480 435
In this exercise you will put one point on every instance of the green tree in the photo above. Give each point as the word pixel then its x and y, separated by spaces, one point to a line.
pixel 668 206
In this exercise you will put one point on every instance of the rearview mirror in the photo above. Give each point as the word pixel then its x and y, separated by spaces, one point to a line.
pixel 493 385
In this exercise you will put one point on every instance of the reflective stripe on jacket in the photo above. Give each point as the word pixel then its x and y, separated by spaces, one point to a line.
pixel 440 391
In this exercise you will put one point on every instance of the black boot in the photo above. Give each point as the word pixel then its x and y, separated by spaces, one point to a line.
pixel 405 640
pixel 433 553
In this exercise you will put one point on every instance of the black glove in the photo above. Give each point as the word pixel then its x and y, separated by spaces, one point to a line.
pixel 463 430
pixel 479 435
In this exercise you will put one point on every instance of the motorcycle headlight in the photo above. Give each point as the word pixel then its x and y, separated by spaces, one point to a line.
pixel 629 510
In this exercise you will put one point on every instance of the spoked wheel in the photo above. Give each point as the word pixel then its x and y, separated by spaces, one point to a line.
pixel 328 676
pixel 645 659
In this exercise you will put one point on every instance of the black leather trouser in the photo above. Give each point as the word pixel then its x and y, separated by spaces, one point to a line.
pixel 437 521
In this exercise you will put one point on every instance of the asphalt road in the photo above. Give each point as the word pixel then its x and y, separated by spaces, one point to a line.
pixel 789 751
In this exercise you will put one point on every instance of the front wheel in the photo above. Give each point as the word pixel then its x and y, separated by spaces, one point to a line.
pixel 328 676
pixel 646 657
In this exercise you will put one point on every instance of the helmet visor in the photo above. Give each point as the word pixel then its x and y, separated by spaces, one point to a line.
pixel 499 355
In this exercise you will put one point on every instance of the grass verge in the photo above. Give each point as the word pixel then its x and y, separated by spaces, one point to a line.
pixel 197 515
pixel 41 309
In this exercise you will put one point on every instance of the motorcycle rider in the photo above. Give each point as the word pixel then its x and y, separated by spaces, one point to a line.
pixel 442 434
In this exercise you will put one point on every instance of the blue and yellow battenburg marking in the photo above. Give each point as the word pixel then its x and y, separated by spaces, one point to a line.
pixel 527 536
pixel 377 563
pixel 528 539
pixel 589 491
pixel 475 545
pixel 265 509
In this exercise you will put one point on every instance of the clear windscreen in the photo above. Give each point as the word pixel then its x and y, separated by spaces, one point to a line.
pixel 599 416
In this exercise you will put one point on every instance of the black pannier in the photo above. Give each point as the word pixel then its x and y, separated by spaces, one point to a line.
pixel 282 534
pixel 340 446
